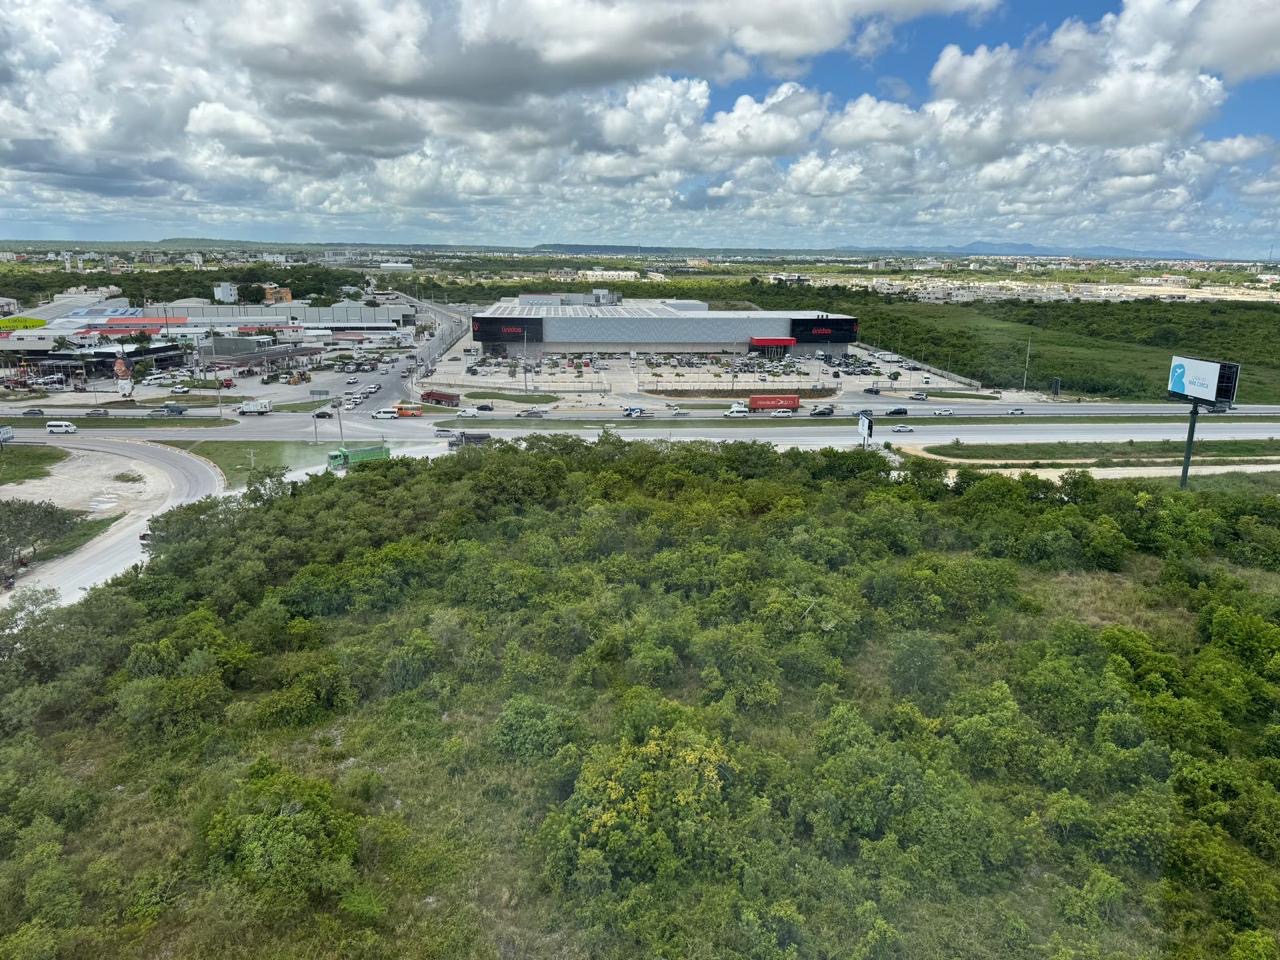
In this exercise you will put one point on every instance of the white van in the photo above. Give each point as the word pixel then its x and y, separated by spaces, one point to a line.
pixel 60 426
pixel 156 379
pixel 468 412
pixel 386 413
pixel 927 379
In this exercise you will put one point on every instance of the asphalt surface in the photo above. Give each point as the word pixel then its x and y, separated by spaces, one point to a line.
pixel 118 548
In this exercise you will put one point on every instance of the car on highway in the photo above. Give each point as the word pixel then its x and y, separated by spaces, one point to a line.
pixel 896 412
pixel 179 389
pixel 872 390
pixel 60 426
pixel 944 412
pixel 534 414
pixel 1017 412
pixel 444 432
pixel 902 428
pixel 781 413
pixel 865 412
pixel 33 412
pixel 469 412
pixel 323 415
pixel 353 379
pixel 485 407
pixel 383 372
pixel 158 412
pixel 919 395
pixel 736 414
pixel 98 412
pixel 824 411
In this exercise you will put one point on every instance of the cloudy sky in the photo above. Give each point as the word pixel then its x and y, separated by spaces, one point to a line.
pixel 1147 123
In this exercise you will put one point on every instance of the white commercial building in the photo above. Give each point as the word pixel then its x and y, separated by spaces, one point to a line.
pixel 226 292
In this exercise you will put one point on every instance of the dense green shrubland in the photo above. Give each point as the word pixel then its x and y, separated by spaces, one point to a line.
pixel 627 700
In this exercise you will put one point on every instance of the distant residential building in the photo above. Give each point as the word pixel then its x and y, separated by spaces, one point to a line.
pixel 1269 278
pixel 7 256
pixel 274 293
pixel 279 259
pixel 597 274
pixel 655 276
pixel 226 292
pixel 789 279
pixel 1165 280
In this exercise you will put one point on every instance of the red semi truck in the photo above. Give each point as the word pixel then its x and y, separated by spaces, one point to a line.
pixel 774 401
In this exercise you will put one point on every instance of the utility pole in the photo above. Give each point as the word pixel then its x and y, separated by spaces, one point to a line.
pixel 1027 367
pixel 524 359
pixel 1191 439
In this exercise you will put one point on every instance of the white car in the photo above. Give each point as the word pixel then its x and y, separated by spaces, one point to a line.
pixel 736 414
pixel 780 413
pixel 469 412
pixel 385 414
pixel 944 412
pixel 353 379
pixel 179 389
pixel 902 428
pixel 349 405
pixel 60 426
pixel 1017 412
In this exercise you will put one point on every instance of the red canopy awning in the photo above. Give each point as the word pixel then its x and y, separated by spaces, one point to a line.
pixel 773 341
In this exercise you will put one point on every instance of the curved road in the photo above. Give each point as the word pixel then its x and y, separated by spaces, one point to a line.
pixel 118 547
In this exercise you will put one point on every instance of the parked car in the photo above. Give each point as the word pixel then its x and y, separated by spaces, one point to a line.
pixel 1017 412
pixel 33 412
pixel 872 390
pixel 98 412
pixel 919 395
pixel 323 415
pixel 179 389
pixel 60 426
pixel 902 428
pixel 944 412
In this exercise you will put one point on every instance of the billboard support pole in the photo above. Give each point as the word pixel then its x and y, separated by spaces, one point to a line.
pixel 1191 439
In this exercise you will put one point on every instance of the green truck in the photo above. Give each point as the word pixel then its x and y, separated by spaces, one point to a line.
pixel 342 458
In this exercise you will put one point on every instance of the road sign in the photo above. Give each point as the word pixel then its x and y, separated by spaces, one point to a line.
pixel 319 394
pixel 6 434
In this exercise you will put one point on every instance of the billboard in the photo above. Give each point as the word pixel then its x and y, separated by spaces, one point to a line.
pixel 122 370
pixel 866 426
pixel 506 329
pixel 6 434
pixel 1207 380
pixel 824 329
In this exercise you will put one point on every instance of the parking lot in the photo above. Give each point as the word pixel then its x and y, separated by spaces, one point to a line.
pixel 857 371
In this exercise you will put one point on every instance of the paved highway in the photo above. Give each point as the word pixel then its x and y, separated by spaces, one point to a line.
pixel 118 548
pixel 799 432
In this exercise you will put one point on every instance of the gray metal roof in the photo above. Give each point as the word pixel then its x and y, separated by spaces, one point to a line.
pixel 642 309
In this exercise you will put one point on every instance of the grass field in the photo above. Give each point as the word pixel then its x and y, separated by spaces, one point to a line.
pixel 1125 450
pixel 512 397
pixel 302 406
pixel 237 459
pixel 80 534
pixel 19 462
pixel 118 423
